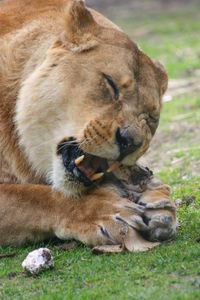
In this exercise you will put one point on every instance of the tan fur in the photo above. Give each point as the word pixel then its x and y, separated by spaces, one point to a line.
pixel 52 57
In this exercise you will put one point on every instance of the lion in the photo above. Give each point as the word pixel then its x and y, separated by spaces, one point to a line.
pixel 79 105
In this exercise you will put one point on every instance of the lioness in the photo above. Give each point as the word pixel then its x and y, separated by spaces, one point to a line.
pixel 77 99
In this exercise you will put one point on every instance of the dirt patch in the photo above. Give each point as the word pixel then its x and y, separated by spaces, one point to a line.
pixel 178 87
pixel 165 146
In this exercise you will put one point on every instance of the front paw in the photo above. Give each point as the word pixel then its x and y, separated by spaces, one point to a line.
pixel 109 222
pixel 141 187
pixel 104 218
pixel 159 215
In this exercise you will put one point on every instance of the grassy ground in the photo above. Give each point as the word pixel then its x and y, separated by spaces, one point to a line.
pixel 172 37
pixel 171 271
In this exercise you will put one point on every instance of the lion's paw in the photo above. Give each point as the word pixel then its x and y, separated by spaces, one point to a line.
pixel 159 215
pixel 162 224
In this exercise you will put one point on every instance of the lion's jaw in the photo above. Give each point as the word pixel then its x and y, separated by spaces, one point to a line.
pixel 84 94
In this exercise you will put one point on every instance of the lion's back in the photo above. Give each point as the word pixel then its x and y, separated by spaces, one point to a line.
pixel 13 14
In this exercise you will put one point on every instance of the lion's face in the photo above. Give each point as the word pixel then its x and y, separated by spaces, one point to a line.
pixel 103 105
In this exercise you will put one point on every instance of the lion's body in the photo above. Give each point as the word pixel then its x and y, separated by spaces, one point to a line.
pixel 35 115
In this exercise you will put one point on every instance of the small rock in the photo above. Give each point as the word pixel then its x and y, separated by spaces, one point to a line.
pixel 38 260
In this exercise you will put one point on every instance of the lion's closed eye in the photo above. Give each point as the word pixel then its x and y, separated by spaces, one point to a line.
pixel 114 91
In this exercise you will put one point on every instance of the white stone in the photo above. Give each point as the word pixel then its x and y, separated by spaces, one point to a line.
pixel 38 260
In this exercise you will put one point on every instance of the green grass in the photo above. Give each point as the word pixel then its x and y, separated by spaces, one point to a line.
pixel 172 37
pixel 172 271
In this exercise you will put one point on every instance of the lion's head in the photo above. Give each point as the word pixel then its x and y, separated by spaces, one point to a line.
pixel 94 100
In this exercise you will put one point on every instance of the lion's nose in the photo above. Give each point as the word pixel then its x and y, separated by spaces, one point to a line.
pixel 126 142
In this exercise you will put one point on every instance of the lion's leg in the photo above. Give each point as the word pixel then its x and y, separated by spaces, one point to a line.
pixel 35 212
pixel 26 213
pixel 160 211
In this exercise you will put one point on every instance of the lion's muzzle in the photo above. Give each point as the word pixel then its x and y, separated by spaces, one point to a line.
pixel 126 142
pixel 87 169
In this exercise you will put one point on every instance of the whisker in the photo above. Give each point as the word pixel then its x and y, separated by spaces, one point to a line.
pixel 65 145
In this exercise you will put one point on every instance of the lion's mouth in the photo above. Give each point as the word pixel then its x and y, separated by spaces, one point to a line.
pixel 85 168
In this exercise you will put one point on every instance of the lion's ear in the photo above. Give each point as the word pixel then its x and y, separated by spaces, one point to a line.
pixel 162 77
pixel 80 25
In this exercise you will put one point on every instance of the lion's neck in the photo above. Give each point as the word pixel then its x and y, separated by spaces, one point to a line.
pixel 21 52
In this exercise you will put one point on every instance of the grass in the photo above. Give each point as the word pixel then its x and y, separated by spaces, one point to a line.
pixel 172 271
pixel 172 37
